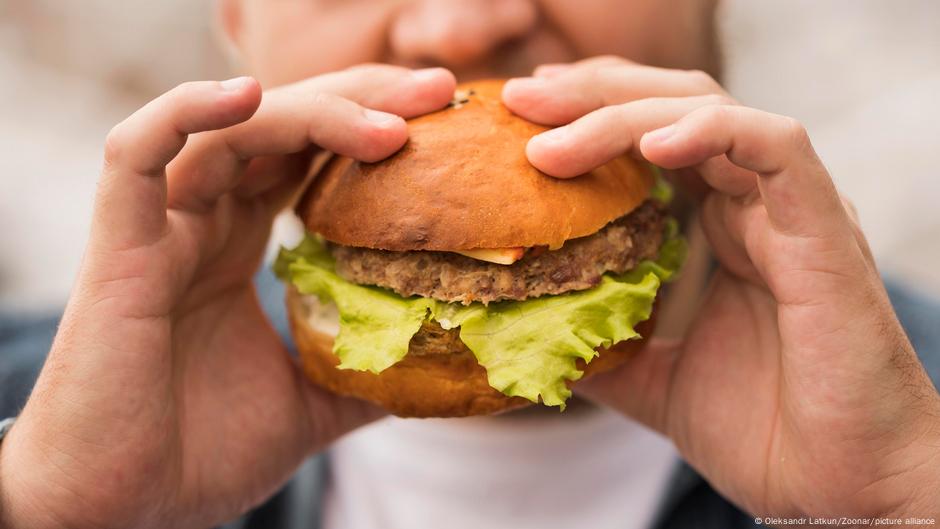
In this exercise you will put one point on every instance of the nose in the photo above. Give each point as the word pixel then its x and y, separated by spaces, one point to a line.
pixel 457 33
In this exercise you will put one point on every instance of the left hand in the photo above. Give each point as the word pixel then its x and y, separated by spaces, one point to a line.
pixel 795 391
pixel 168 399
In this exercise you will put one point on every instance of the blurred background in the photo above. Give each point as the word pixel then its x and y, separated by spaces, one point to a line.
pixel 862 75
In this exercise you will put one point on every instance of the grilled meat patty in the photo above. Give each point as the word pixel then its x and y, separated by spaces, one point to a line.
pixel 447 276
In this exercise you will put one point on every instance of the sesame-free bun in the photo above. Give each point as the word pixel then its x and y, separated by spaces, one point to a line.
pixel 462 181
pixel 439 377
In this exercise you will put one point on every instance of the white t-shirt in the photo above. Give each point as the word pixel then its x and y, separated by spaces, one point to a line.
pixel 588 469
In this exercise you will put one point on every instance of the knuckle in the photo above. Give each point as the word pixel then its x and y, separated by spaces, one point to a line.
pixel 702 81
pixel 850 209
pixel 365 66
pixel 719 100
pixel 183 91
pixel 624 112
pixel 713 117
pixel 847 202
pixel 115 144
pixel 604 72
pixel 319 100
pixel 611 60
pixel 716 113
pixel 368 68
pixel 796 133
pixel 595 78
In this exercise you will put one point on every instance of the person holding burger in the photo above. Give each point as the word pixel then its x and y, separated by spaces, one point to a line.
pixel 168 398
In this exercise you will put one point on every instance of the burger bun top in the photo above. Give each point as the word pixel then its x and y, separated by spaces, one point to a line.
pixel 462 182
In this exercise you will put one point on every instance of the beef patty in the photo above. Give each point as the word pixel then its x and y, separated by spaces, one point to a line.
pixel 447 276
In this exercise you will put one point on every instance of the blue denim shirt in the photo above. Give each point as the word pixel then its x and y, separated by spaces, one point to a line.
pixel 689 502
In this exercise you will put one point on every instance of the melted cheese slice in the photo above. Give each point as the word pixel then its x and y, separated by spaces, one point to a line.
pixel 503 256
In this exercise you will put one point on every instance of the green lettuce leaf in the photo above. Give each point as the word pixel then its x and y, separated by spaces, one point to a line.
pixel 375 324
pixel 529 348
pixel 662 191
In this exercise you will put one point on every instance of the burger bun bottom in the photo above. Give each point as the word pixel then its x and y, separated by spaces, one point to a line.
pixel 439 377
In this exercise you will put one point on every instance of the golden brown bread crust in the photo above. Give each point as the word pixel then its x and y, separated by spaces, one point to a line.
pixel 439 377
pixel 462 182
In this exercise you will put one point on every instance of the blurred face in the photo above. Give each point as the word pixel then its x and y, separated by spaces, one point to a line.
pixel 286 40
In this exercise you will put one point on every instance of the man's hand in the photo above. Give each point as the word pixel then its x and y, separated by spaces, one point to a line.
pixel 168 399
pixel 795 391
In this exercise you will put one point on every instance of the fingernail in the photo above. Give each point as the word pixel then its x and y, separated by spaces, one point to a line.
pixel 235 84
pixel 660 135
pixel 425 74
pixel 377 116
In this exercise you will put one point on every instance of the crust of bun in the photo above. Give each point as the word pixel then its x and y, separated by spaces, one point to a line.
pixel 438 377
pixel 463 182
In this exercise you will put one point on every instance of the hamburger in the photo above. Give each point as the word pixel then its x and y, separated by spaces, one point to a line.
pixel 455 279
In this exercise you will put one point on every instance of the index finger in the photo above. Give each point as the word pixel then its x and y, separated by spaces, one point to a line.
pixel 130 205
pixel 284 124
pixel 570 93
pixel 604 134
pixel 798 193
pixel 354 113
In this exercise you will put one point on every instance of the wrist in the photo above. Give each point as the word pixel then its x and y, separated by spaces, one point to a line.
pixel 923 483
pixel 13 506
pixel 925 492
pixel 21 505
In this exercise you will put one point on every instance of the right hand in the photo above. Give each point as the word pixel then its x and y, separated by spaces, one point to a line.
pixel 795 391
pixel 168 400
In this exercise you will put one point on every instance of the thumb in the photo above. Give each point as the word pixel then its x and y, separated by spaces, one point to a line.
pixel 639 388
pixel 331 416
